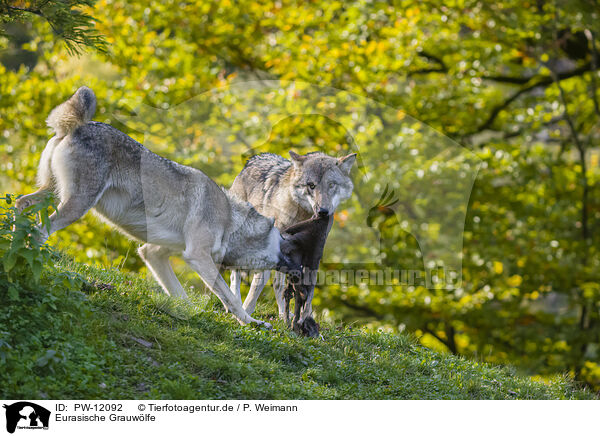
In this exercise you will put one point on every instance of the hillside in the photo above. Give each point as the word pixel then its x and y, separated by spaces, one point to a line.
pixel 98 333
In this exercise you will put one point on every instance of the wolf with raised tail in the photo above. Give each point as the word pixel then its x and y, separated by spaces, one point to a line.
pixel 291 191
pixel 172 208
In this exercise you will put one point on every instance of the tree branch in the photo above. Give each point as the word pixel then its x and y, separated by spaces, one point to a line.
pixel 581 149
pixel 435 335
pixel 425 71
pixel 509 79
pixel 584 200
pixel 542 82
pixel 449 342
pixel 434 58
pixel 592 40
pixel 441 68
pixel 33 11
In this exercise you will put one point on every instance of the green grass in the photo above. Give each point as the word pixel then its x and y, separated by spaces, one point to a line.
pixel 77 339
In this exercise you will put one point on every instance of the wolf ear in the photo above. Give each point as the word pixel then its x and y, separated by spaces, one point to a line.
pixel 345 163
pixel 297 160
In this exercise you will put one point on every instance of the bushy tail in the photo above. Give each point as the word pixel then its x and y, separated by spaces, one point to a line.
pixel 74 112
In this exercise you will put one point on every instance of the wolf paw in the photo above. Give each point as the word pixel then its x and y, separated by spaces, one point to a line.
pixel 261 324
pixel 22 203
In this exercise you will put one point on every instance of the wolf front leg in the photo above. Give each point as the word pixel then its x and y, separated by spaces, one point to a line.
pixel 201 261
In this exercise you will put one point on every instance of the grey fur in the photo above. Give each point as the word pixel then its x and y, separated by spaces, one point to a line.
pixel 171 207
pixel 279 188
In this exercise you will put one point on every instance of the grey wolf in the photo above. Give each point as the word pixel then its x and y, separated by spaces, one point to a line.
pixel 172 208
pixel 309 239
pixel 290 191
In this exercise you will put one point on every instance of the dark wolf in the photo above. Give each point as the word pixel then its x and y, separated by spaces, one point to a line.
pixel 309 239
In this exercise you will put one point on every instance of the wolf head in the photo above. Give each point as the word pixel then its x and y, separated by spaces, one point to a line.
pixel 320 182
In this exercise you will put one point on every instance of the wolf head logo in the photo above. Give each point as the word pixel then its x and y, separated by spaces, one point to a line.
pixel 321 182
pixel 26 414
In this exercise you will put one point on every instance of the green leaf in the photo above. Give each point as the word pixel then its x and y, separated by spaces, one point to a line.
pixel 43 361
pixel 13 292
pixel 37 268
pixel 27 254
pixel 9 261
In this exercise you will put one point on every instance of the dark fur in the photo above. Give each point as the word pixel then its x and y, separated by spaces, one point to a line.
pixel 308 239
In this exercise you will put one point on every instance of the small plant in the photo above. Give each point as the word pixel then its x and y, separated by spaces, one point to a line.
pixel 23 254
pixel 41 304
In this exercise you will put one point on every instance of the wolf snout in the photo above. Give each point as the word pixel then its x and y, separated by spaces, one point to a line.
pixel 323 212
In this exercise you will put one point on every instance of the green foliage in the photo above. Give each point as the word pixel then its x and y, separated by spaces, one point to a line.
pixel 68 21
pixel 22 254
pixel 508 80
pixel 42 309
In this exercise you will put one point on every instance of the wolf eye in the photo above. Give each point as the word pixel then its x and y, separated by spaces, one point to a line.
pixel 311 185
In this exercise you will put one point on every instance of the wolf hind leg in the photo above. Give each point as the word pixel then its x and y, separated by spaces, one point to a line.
pixel 31 199
pixel 67 212
pixel 156 259
pixel 44 179
pixel 259 280
pixel 79 184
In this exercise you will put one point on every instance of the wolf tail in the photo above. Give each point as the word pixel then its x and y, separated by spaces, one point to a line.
pixel 74 112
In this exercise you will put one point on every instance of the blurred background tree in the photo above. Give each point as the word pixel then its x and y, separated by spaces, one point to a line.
pixel 515 83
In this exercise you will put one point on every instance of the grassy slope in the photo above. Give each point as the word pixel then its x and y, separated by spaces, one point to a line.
pixel 85 347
